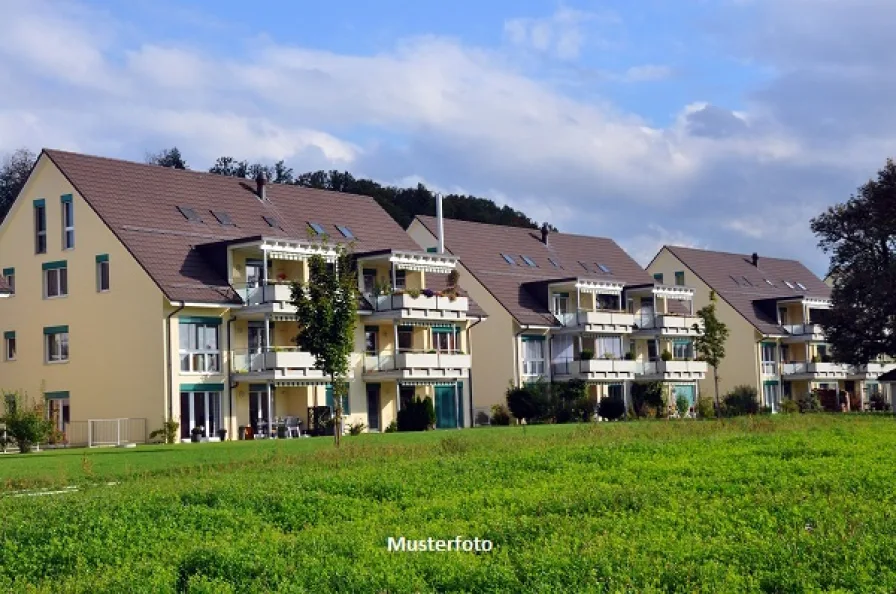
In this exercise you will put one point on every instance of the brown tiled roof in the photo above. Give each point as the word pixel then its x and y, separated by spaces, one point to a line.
pixel 479 246
pixel 754 297
pixel 139 204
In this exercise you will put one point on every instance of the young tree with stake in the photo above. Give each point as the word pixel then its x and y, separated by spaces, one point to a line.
pixel 710 344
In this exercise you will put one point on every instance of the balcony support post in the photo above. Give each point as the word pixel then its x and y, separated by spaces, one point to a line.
pixel 270 411
pixel 264 268
pixel 267 333
pixel 395 344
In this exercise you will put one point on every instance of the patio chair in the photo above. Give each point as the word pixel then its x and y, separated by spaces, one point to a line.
pixel 293 427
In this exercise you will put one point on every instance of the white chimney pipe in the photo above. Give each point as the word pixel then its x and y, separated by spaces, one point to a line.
pixel 441 223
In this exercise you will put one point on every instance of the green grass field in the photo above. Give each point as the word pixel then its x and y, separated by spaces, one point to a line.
pixel 784 504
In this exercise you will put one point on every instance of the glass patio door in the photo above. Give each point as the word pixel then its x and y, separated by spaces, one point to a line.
pixel 256 346
pixel 259 412
pixel 373 406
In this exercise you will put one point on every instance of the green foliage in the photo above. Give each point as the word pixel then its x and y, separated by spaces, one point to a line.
pixel 741 400
pixel 860 236
pixel 570 402
pixel 809 402
pixel 500 415
pixel 530 403
pixel 647 399
pixel 327 309
pixel 586 355
pixel 356 428
pixel 167 158
pixel 612 407
pixel 706 408
pixel 417 415
pixel 629 356
pixel 168 432
pixel 710 343
pixel 789 407
pixel 412 293
pixel 666 356
pixel 14 171
pixel 877 402
pixel 682 404
pixel 25 421
pixel 392 427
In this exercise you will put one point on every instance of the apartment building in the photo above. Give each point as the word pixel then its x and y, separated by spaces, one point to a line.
pixel 563 307
pixel 148 293
pixel 773 308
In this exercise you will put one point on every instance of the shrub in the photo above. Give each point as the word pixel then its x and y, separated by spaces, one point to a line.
pixel 417 415
pixel 682 404
pixel 877 402
pixel 586 355
pixel 500 415
pixel 531 403
pixel 570 401
pixel 168 432
pixel 647 399
pixel 629 356
pixel 356 428
pixel 612 407
pixel 740 401
pixel 789 407
pixel 481 418
pixel 809 402
pixel 666 356
pixel 392 428
pixel 706 408
pixel 412 293
pixel 453 278
pixel 25 420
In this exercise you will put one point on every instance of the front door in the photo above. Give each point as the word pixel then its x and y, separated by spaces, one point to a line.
pixel 446 407
pixel 373 407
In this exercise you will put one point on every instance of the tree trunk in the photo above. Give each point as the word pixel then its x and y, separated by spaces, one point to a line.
pixel 715 378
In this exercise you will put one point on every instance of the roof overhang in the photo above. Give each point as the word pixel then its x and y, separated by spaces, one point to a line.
pixel 673 292
pixel 816 302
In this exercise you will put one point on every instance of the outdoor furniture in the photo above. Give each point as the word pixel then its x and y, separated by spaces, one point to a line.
pixel 293 427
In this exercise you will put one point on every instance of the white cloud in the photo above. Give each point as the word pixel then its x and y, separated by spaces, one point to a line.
pixel 647 73
pixel 560 35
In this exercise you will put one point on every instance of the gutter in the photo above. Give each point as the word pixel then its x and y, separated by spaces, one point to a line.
pixel 470 380
pixel 169 376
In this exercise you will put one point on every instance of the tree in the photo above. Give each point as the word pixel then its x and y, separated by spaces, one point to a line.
pixel 327 309
pixel 230 167
pixel 25 421
pixel 167 158
pixel 710 344
pixel 14 172
pixel 860 236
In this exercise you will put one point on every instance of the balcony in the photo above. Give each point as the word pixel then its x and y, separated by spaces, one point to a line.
pixel 418 365
pixel 769 368
pixel 668 324
pixel 274 363
pixel 427 307
pixel 803 333
pixel 814 371
pixel 610 322
pixel 595 369
pixel 869 371
pixel 671 370
pixel 273 298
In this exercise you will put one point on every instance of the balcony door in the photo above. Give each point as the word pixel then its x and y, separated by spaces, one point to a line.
pixel 562 352
pixel 646 313
pixel 259 412
pixel 256 346
pixel 560 307
pixel 373 407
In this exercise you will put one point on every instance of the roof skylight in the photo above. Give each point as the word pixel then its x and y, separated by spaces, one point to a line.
pixel 317 228
pixel 529 261
pixel 509 259
pixel 801 286
pixel 736 282
pixel 189 214
pixel 222 217
pixel 554 263
pixel 603 268
pixel 747 281
pixel 789 284
pixel 346 232
pixel 271 221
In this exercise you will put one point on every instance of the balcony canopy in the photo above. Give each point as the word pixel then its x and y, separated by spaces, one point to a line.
pixel 813 302
pixel 293 249
pixel 410 260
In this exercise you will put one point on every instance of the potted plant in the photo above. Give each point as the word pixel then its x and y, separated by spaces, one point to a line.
pixel 609 356
pixel 196 433
pixel 281 276
pixel 586 355
pixel 281 431
pixel 629 356
pixel 222 434
pixel 428 292
pixel 666 356
pixel 816 359
pixel 413 293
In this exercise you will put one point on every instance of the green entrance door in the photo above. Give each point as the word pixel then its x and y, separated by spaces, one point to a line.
pixel 446 408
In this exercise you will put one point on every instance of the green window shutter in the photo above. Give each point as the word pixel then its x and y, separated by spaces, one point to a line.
pixel 432 250
pixel 102 258
pixel 442 329
pixel 62 395
pixel 54 265
pixel 330 397
pixel 658 277
pixel 202 387
pixel 770 382
pixel 9 271
pixel 56 330
pixel 258 387
pixel 40 203
pixel 9 334
pixel 529 337
pixel 65 198
pixel 199 320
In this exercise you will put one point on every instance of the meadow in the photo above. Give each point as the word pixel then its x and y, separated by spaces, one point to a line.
pixel 791 503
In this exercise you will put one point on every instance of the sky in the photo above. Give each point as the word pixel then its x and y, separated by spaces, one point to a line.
pixel 719 124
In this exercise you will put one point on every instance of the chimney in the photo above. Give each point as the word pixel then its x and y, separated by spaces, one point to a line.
pixel 260 181
pixel 440 220
pixel 755 259
pixel 544 233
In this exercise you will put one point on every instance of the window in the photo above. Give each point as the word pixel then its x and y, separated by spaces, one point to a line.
pixel 679 278
pixel 68 222
pixel 371 340
pixel 533 355
pixel 9 345
pixel 199 345
pixel 189 214
pixel 561 303
pixel 509 259
pixel 682 349
pixel 736 282
pixel 652 350
pixel 401 279
pixel 271 221
pixel 58 409
pixel 317 228
pixel 55 279
pixel 368 279
pixel 346 232
pixel 56 344
pixel 10 275
pixel 405 339
pixel 443 339
pixel 432 250
pixel 554 263
pixel 658 277
pixel 102 273
pixel 200 409
pixel 768 352
pixel 604 268
pixel 801 286
pixel 346 409
pixel 770 283
pixel 40 227
pixel 223 218
pixel 529 261
pixel 789 285
pixel 583 265
pixel 608 347
pixel 770 395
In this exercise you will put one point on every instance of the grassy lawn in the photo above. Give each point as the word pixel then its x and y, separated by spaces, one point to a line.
pixel 784 504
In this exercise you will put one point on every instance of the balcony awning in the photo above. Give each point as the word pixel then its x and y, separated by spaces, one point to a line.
pixel 673 292
pixel 290 249
pixel 288 383
pixel 432 382
pixel 600 287
pixel 423 262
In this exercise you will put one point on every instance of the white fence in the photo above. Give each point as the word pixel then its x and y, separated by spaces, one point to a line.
pixel 114 432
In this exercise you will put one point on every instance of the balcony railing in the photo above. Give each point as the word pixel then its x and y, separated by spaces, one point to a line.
pixel 399 301
pixel 804 329
pixel 596 318
pixel 260 294
pixel 769 368
pixel 388 361
pixel 668 322
pixel 270 359
pixel 663 367
pixel 806 368
pixel 568 366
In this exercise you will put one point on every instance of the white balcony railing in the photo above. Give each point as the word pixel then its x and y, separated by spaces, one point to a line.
pixel 654 368
pixel 669 323
pixel 808 368
pixel 260 294
pixel 271 359
pixel 769 368
pixel 416 360
pixel 400 301
pixel 602 366
pixel 596 318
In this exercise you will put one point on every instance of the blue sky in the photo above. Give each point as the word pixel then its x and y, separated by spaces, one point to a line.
pixel 724 124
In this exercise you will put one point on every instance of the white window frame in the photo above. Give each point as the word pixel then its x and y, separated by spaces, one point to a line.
pixel 688 350
pixel 188 417
pixel 533 366
pixel 61 275
pixel 210 358
pixel 68 225
pixel 452 347
pixel 9 348
pixel 99 277
pixel 61 354
pixel 40 216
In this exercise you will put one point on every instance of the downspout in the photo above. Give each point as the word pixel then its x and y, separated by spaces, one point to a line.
pixel 470 379
pixel 229 373
pixel 516 356
pixel 170 372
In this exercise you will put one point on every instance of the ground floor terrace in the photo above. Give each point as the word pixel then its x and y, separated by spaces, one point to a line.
pixel 855 394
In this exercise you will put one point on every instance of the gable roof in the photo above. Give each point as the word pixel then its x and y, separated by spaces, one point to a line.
pixel 751 294
pixel 480 247
pixel 139 203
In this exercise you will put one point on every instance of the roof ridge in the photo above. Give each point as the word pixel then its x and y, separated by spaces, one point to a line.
pixel 553 233
pixel 726 253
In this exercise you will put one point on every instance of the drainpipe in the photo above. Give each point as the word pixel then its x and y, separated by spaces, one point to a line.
pixel 516 356
pixel 470 380
pixel 170 372
pixel 229 373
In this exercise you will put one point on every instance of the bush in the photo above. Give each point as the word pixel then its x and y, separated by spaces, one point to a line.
pixel 666 356
pixel 789 407
pixel 612 407
pixel 647 399
pixel 586 355
pixel 740 401
pixel 531 403
pixel 392 428
pixel 26 422
pixel 500 415
pixel 570 401
pixel 809 402
pixel 877 402
pixel 356 428
pixel 706 408
pixel 682 404
pixel 629 356
pixel 417 415
pixel 168 432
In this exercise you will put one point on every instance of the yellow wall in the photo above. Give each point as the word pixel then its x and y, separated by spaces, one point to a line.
pixel 116 365
pixel 741 363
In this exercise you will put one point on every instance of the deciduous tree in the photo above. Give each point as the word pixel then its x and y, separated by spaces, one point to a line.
pixel 710 344
pixel 167 158
pixel 14 171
